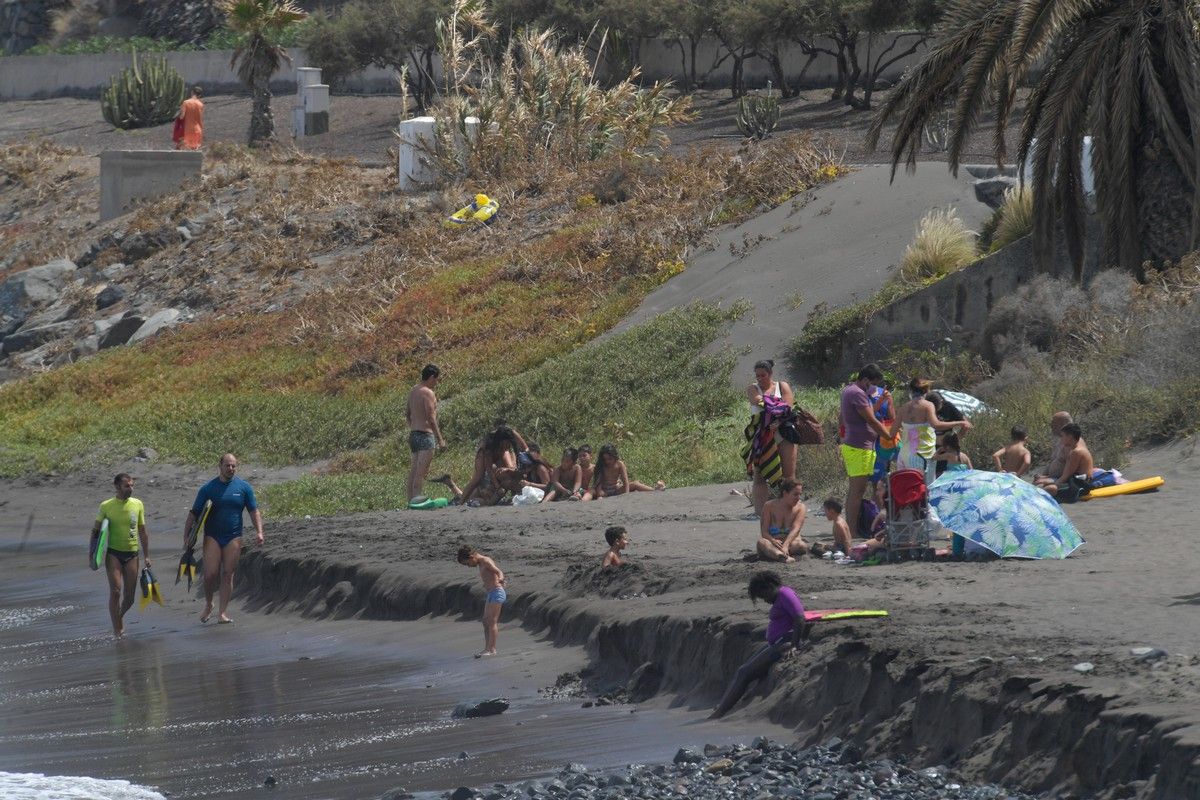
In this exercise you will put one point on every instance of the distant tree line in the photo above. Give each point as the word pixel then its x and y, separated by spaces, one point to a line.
pixel 404 34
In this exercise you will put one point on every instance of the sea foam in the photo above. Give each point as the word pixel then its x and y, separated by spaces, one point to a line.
pixel 31 786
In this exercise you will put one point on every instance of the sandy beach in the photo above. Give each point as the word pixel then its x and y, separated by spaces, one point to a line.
pixel 974 669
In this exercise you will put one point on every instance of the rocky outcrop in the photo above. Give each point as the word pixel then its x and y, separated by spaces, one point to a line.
pixel 158 322
pixel 24 23
pixel 28 289
pixel 119 332
pixel 187 21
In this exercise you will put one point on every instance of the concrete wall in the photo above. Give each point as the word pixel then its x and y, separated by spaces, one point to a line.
pixel 952 313
pixel 127 176
pixel 38 77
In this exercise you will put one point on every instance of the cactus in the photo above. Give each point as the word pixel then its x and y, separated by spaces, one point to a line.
pixel 143 95
pixel 758 114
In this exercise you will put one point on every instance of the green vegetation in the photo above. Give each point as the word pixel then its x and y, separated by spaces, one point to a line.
pixel 942 245
pixel 652 391
pixel 221 39
pixel 143 95
pixel 757 115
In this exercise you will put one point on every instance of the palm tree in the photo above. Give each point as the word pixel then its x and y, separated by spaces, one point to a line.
pixel 257 57
pixel 1123 71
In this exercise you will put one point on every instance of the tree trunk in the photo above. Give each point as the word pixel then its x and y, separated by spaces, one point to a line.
pixel 1164 204
pixel 855 69
pixel 694 43
pixel 775 61
pixel 262 123
pixel 839 88
pixel 737 84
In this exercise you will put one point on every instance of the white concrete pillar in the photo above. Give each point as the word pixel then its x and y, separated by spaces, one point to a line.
pixel 417 142
pixel 310 115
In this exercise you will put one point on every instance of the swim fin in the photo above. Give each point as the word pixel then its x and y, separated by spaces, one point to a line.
pixel 155 594
pixel 145 583
pixel 187 568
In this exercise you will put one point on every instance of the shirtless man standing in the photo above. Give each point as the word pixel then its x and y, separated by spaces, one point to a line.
pixel 780 524
pixel 424 435
pixel 1058 456
pixel 1077 471
pixel 493 583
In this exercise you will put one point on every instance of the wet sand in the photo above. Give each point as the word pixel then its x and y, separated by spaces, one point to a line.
pixel 327 708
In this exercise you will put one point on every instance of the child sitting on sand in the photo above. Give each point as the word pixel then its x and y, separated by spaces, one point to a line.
pixel 617 540
pixel 841 531
pixel 587 471
pixel 612 477
pixel 1014 457
pixel 951 452
pixel 566 481
pixel 493 584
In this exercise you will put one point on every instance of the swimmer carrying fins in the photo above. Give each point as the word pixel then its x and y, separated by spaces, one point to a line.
pixel 149 589
pixel 187 562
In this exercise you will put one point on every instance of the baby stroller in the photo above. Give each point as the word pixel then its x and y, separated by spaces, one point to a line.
pixel 909 522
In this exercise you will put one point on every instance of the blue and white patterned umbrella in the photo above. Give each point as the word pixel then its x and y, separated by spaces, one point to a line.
pixel 1001 512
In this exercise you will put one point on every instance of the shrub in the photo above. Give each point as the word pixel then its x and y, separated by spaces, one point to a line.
pixel 1014 218
pixel 143 95
pixel 757 115
pixel 942 245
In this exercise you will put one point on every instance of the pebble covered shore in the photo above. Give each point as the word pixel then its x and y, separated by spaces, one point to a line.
pixel 762 771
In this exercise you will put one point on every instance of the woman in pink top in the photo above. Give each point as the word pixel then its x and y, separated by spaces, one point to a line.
pixel 785 629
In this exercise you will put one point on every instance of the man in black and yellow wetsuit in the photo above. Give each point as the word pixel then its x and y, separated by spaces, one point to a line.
pixel 126 529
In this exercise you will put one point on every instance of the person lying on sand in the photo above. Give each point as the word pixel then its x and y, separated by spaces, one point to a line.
pixel 566 482
pixel 780 524
pixel 785 630
pixel 1076 476
pixel 493 584
pixel 841 531
pixel 617 540
pixel 1014 457
pixel 612 477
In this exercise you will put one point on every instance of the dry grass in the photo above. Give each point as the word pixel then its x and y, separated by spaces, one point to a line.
pixel 1015 218
pixel 943 245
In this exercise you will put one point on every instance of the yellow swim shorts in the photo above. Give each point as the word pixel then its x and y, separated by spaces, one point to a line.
pixel 859 463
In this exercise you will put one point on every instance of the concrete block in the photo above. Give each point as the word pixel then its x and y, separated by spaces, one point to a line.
pixel 128 176
pixel 417 143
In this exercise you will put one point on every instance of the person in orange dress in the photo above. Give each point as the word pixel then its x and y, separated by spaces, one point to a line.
pixel 192 114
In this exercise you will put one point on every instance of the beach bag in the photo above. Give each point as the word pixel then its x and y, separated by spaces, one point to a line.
pixel 805 428
pixel 177 131
pixel 529 496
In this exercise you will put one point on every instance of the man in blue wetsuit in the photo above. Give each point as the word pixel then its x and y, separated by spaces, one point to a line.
pixel 230 496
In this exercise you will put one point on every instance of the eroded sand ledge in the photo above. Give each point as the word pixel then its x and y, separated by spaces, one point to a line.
pixel 967 672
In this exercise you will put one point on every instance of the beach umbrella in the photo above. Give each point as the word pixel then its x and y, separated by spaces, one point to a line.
pixel 1004 514
pixel 969 405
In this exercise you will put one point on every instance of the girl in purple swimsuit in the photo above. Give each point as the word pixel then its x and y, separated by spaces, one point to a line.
pixel 785 629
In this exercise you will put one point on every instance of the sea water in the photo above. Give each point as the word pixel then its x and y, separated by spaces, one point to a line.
pixel 316 709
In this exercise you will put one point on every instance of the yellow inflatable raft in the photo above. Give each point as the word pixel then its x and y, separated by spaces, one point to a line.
pixel 1133 487
pixel 481 210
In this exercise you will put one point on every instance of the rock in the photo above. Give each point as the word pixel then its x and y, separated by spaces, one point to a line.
pixel 184 233
pixel 270 781
pixel 462 793
pixel 761 743
pixel 108 296
pixel 85 347
pixel 711 750
pixel 21 292
pixel 990 191
pixel 158 322
pixel 481 708
pixel 687 755
pixel 148 453
pixel 850 754
pixel 720 765
pixel 137 246
pixel 10 325
pixel 56 313
pixel 1084 667
pixel 28 338
pixel 119 332
pixel 102 326
pixel 644 682
pixel 113 270
pixel 395 794
pixel 1147 653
